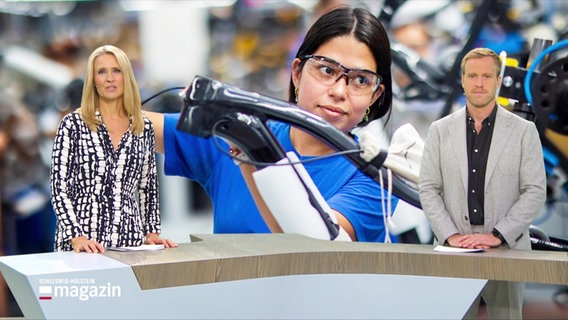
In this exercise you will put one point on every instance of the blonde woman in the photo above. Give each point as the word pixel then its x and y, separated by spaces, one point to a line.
pixel 104 185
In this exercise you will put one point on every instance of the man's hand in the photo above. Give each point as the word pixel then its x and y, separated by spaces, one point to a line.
pixel 474 241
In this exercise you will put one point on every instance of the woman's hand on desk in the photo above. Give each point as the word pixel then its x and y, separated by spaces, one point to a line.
pixel 81 243
pixel 154 238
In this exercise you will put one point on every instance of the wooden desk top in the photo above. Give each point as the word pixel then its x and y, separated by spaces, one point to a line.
pixel 226 257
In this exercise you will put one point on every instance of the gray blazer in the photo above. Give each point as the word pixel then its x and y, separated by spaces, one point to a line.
pixel 515 180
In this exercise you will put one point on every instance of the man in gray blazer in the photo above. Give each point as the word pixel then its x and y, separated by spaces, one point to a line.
pixel 482 178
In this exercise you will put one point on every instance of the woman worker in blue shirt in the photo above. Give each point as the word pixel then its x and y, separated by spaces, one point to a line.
pixel 341 73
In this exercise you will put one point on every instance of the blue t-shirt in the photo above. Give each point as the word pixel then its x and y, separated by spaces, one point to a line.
pixel 343 186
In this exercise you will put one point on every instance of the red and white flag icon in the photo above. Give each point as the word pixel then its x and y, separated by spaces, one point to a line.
pixel 44 292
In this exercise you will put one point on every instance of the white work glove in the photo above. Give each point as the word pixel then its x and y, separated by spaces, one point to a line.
pixel 286 197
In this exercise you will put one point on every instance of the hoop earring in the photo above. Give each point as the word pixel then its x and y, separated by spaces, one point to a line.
pixel 366 116
pixel 296 94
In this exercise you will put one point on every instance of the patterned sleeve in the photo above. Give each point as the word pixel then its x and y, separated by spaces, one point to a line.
pixel 148 189
pixel 61 178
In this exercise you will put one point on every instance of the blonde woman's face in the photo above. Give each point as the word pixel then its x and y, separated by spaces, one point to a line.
pixel 108 77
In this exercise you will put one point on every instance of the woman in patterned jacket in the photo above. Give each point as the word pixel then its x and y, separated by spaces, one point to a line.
pixel 104 185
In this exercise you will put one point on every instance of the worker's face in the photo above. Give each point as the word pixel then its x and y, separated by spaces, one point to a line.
pixel 341 101
pixel 108 77
pixel 480 81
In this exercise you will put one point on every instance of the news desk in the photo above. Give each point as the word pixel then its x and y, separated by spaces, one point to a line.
pixel 262 276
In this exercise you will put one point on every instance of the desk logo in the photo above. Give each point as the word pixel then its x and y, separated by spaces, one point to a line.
pixel 73 289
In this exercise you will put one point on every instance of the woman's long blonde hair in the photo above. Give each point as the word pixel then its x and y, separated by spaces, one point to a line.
pixel 131 101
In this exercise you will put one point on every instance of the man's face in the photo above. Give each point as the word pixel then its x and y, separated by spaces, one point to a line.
pixel 480 81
